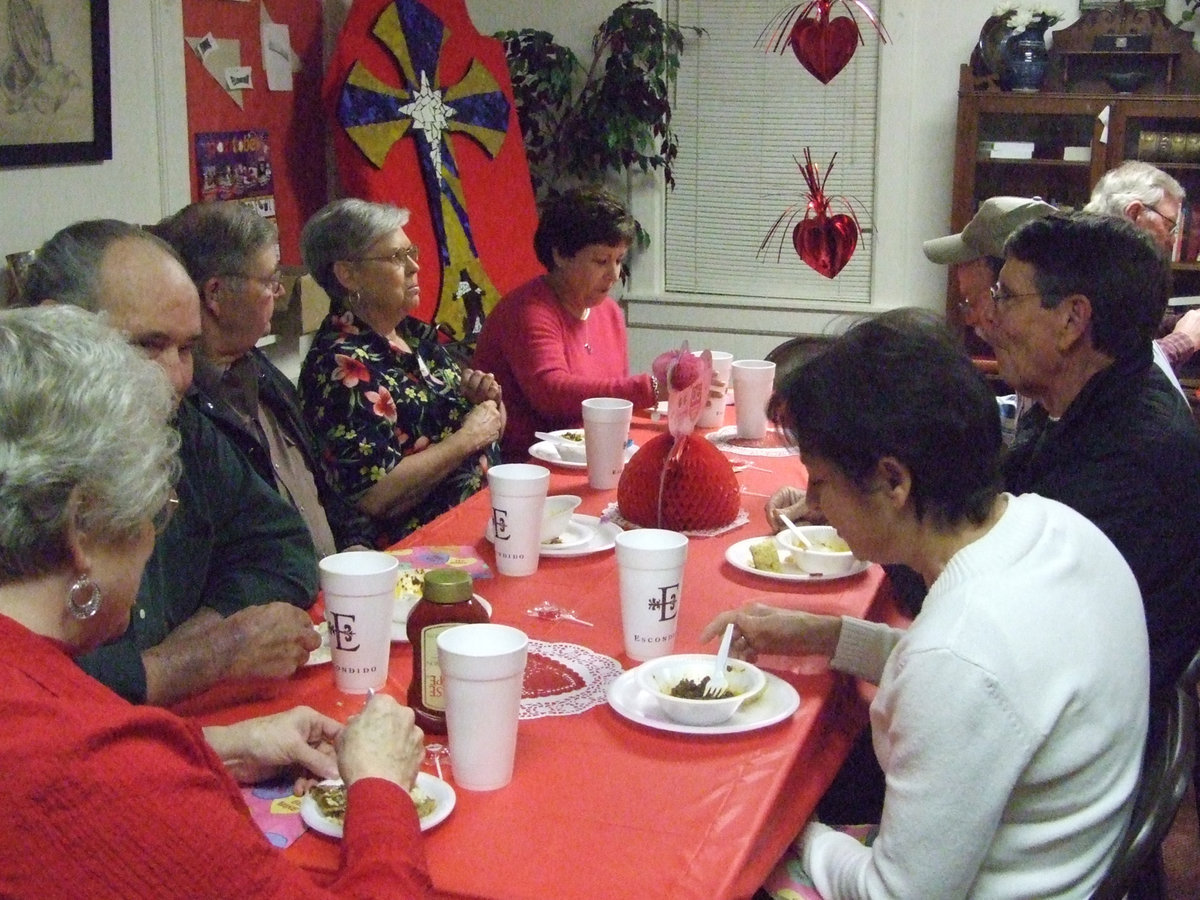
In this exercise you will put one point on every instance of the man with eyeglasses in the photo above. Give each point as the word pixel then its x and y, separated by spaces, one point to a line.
pixel 232 256
pixel 1074 307
pixel 224 593
pixel 1153 201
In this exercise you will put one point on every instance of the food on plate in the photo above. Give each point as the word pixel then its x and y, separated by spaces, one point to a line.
pixel 699 690
pixel 331 801
pixel 695 490
pixel 572 436
pixel 764 555
pixel 833 545
pixel 410 582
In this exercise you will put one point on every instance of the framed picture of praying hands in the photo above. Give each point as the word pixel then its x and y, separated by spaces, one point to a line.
pixel 54 82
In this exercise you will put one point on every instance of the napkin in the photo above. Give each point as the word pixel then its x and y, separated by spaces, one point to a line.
pixel 276 810
pixel 447 557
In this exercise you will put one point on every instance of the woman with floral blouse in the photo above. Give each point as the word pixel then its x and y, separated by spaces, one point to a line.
pixel 404 431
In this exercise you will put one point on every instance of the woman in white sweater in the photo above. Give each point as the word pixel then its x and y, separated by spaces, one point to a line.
pixel 1011 716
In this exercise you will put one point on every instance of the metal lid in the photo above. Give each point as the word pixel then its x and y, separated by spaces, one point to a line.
pixel 447 586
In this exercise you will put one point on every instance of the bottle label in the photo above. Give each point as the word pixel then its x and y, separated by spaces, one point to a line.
pixel 433 697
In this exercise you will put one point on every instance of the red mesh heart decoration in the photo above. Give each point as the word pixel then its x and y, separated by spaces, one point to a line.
pixel 826 244
pixel 824 46
pixel 700 491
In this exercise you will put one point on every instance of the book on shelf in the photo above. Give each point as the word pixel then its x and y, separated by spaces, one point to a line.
pixel 1006 149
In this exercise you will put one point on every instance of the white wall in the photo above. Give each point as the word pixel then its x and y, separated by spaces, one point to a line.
pixel 148 178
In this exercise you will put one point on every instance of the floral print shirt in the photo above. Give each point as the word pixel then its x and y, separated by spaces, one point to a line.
pixel 370 405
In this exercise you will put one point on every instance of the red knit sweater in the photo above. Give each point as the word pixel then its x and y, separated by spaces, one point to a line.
pixel 548 362
pixel 106 799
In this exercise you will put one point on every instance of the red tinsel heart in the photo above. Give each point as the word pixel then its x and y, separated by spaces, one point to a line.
pixel 826 245
pixel 824 47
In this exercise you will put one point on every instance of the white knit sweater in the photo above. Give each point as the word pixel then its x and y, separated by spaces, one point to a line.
pixel 1009 721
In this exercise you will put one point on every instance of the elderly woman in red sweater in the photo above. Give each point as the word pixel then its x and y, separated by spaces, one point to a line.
pixel 107 799
pixel 558 339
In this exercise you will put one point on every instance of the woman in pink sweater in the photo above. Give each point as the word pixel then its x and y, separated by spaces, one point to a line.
pixel 560 338
pixel 107 799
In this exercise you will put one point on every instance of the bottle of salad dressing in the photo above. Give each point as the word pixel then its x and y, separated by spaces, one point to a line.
pixel 447 601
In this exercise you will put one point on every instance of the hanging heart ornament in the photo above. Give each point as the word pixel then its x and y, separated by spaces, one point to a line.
pixel 826 244
pixel 825 240
pixel 824 46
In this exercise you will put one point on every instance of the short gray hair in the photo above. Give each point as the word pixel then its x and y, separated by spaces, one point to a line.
pixel 82 415
pixel 345 229
pixel 1132 182
pixel 66 269
pixel 216 238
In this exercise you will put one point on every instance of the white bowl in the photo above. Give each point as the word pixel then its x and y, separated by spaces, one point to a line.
pixel 572 449
pixel 659 676
pixel 817 562
pixel 556 515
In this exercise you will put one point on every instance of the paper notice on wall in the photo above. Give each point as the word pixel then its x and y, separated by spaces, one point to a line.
pixel 238 78
pixel 277 57
pixel 218 55
pixel 280 61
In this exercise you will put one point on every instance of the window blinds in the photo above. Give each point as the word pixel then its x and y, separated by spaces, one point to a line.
pixel 743 117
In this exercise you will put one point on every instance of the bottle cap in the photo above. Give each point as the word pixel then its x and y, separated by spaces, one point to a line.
pixel 447 586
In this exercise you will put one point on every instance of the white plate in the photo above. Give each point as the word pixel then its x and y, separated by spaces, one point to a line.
pixel 777 703
pixel 403 608
pixel 603 537
pixel 322 654
pixel 547 452
pixel 574 535
pixel 442 794
pixel 738 556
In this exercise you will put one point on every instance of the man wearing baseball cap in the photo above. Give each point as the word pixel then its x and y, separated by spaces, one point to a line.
pixel 977 252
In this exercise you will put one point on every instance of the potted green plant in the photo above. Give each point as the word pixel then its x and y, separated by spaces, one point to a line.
pixel 584 124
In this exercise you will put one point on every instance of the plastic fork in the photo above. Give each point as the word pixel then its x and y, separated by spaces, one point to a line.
pixel 718 683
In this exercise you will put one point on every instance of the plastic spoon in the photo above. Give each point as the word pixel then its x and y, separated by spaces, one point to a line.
pixel 718 682
pixel 795 530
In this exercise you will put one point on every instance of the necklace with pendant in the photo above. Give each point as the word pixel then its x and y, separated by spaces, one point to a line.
pixel 587 343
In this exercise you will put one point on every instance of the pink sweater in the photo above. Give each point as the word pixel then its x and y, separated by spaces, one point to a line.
pixel 106 799
pixel 548 362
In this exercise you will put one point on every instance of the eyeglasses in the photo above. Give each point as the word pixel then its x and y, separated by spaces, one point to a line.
pixel 401 256
pixel 272 282
pixel 163 517
pixel 1000 295
pixel 1174 223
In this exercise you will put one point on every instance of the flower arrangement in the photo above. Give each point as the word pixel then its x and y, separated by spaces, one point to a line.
pixel 1019 16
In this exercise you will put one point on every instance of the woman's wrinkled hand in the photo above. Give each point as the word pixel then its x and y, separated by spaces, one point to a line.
pixel 383 741
pixel 483 425
pixel 259 748
pixel 479 386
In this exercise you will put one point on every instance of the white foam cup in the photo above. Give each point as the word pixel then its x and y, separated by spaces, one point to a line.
pixel 483 668
pixel 518 498
pixel 359 590
pixel 650 571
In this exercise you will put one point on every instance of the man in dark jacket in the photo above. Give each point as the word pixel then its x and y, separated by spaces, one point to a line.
pixel 232 256
pixel 224 592
pixel 1074 309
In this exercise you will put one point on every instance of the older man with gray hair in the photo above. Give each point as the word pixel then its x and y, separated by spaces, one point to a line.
pixel 224 592
pixel 232 256
pixel 1153 201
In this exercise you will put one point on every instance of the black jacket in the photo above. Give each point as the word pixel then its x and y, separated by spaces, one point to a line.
pixel 1126 454
pixel 349 526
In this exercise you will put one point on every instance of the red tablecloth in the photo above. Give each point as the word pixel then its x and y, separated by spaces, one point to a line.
pixel 600 806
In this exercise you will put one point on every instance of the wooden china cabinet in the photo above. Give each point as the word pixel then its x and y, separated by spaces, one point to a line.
pixel 1055 143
